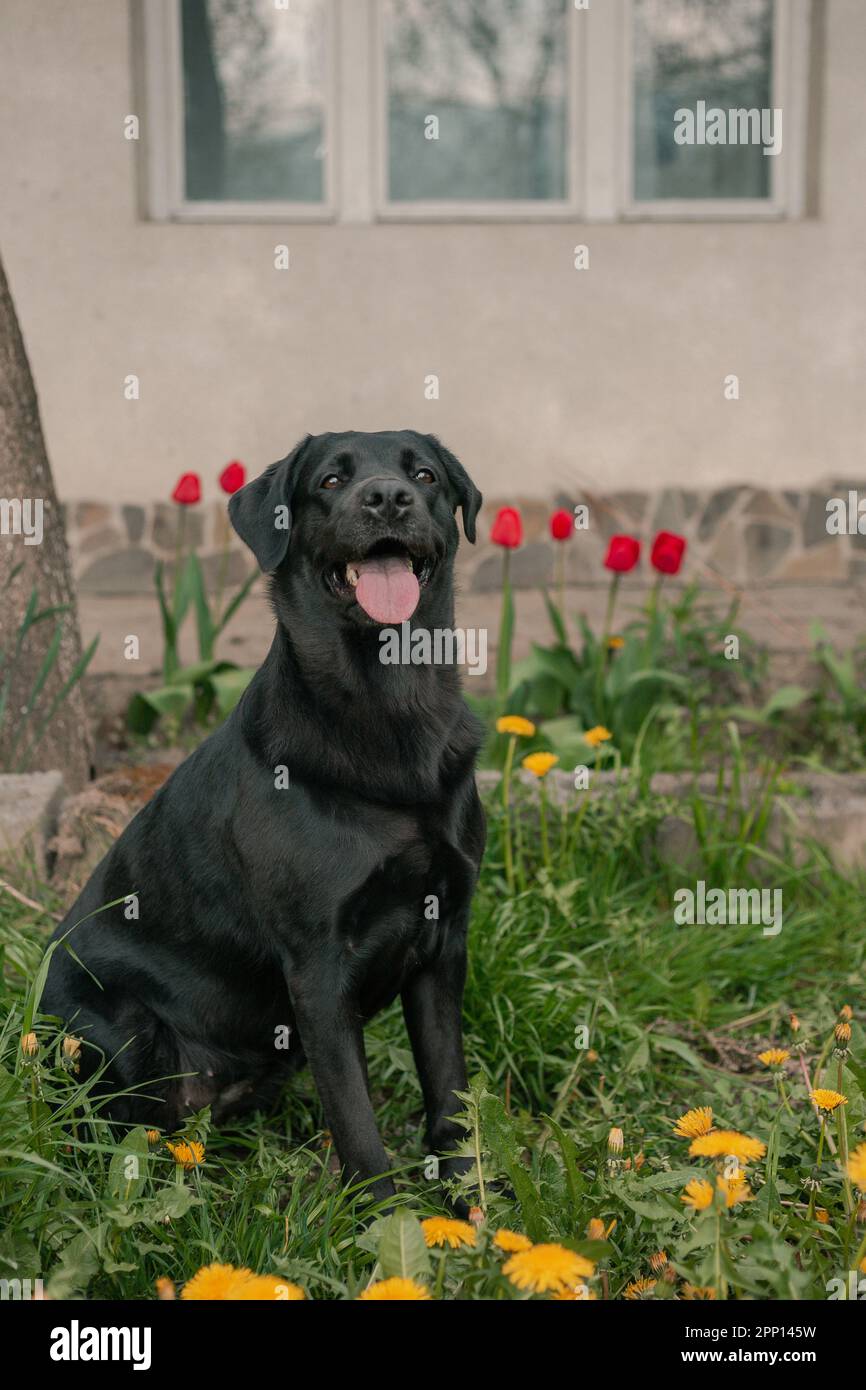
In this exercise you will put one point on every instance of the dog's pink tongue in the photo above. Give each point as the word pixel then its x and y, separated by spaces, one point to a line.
pixel 387 590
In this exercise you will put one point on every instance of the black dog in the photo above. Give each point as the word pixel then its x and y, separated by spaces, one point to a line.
pixel 316 856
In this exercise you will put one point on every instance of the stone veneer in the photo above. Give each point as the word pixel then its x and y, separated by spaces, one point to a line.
pixel 743 535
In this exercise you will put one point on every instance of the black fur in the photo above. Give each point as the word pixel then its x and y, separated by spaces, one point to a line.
pixel 262 907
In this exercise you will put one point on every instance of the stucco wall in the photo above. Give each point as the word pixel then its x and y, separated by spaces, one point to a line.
pixel 550 378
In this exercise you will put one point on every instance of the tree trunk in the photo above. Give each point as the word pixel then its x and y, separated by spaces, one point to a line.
pixel 25 473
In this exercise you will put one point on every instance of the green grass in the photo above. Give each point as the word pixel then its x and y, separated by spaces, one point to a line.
pixel 676 1016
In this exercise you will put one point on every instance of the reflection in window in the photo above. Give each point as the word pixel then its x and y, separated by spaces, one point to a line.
pixel 493 74
pixel 686 51
pixel 254 100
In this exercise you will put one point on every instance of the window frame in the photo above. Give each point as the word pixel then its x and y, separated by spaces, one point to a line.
pixel 599 130
pixel 789 90
pixel 166 149
pixel 486 209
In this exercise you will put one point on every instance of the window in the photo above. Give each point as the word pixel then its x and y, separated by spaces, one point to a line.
pixel 254 104
pixel 476 100
pixel 354 110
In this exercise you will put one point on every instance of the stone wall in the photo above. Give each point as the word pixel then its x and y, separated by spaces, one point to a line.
pixel 738 536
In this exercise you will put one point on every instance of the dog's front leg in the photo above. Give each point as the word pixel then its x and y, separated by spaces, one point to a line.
pixel 332 1036
pixel 432 1007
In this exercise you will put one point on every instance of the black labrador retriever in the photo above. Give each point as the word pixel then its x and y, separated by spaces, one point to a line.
pixel 316 855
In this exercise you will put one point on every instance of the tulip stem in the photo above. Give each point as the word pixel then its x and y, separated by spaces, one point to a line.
pixel 602 654
pixel 560 565
pixel 506 629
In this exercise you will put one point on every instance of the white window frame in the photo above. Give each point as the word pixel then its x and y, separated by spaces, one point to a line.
pixel 599 123
pixel 789 90
pixel 487 209
pixel 165 132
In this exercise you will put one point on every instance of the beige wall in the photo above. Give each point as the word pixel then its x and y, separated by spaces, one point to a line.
pixel 549 377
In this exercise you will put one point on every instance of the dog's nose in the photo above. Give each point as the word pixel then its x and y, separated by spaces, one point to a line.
pixel 387 499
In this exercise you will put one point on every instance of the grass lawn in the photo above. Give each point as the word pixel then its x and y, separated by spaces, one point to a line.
pixel 587 1011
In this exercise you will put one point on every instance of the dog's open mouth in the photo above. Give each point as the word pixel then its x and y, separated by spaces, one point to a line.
pixel 386 582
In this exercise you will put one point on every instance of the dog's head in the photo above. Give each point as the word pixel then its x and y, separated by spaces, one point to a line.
pixel 364 522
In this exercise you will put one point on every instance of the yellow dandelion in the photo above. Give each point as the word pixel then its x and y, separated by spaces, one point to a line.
pixel 71 1048
pixel 846 1012
pixel 395 1291
pixel 440 1230
pixel 615 644
pixel 842 1032
pixel 213 1282
pixel 547 1269
pixel 539 764
pixel 774 1056
pixel 736 1190
pixel 640 1288
pixel 694 1292
pixel 153 1136
pixel 512 1241
pixel 822 1216
pixel 268 1288
pixel 658 1261
pixel 597 735
pixel 515 724
pixel 723 1142
pixel 592 1055
pixel 595 1229
pixel 698 1194
pixel 857 1167
pixel 828 1100
pixel 165 1290
pixel 581 1293
pixel 615 1140
pixel 189 1155
pixel 694 1123
pixel 29 1044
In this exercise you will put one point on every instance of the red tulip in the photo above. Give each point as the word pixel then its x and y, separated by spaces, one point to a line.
pixel 667 552
pixel 507 529
pixel 623 553
pixel 561 525
pixel 233 476
pixel 187 489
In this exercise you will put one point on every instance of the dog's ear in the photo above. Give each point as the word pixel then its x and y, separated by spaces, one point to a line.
pixel 261 512
pixel 468 497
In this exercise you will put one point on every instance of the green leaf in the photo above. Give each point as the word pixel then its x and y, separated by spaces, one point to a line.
pixel 557 620
pixel 502 1142
pixel 229 686
pixel 146 709
pixel 78 1263
pixel 128 1170
pixel 568 1149
pixel 402 1252
pixel 785 698
pixel 233 606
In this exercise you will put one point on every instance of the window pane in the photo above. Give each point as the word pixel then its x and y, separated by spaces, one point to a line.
pixel 254 99
pixel 717 52
pixel 494 74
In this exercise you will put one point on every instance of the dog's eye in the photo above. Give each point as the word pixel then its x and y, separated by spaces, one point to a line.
pixel 424 475
pixel 332 480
